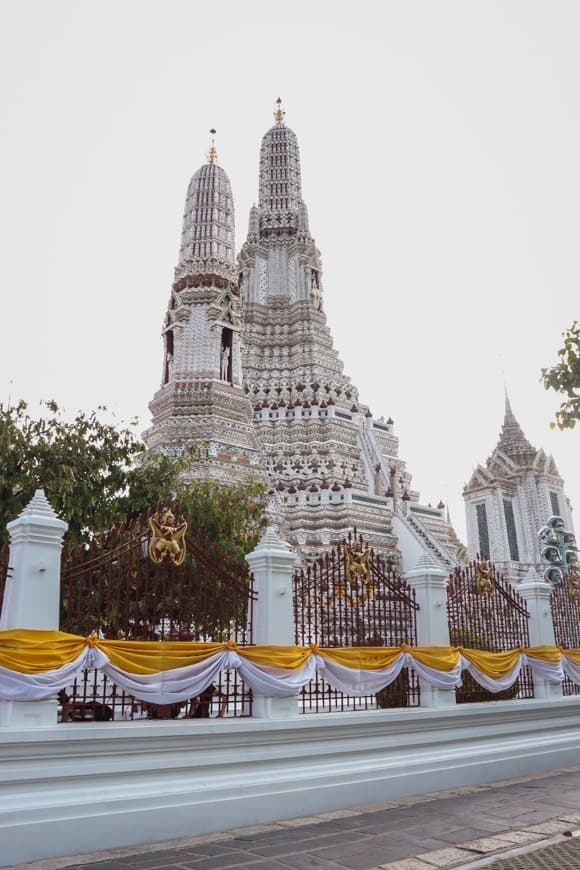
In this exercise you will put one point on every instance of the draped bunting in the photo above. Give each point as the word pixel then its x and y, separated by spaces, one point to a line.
pixel 36 664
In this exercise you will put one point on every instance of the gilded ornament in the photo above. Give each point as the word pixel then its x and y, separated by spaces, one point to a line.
pixel 484 578
pixel 356 563
pixel 212 154
pixel 279 114
pixel 167 539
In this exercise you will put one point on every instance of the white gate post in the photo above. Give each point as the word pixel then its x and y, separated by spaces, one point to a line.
pixel 32 594
pixel 272 564
pixel 430 585
pixel 536 593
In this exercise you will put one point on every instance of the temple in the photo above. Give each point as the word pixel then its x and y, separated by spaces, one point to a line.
pixel 509 499
pixel 201 404
pixel 249 368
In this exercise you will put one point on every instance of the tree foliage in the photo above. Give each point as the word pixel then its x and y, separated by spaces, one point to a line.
pixel 97 476
pixel 564 378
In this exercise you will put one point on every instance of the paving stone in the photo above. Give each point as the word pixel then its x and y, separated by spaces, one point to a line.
pixel 488 844
pixel 206 850
pixel 248 830
pixel 234 859
pixel 341 814
pixel 522 837
pixel 151 860
pixel 307 862
pixel 445 857
pixel 406 864
pixel 461 835
pixel 370 859
pixel 262 865
pixel 302 820
pixel 554 827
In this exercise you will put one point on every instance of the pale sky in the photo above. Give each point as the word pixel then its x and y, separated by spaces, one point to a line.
pixel 440 147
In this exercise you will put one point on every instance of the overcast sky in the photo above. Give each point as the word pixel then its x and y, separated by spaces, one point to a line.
pixel 440 147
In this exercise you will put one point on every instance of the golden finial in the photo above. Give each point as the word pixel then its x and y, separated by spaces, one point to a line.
pixel 279 114
pixel 212 155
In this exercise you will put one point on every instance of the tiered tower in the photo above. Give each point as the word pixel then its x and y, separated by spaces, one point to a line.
pixel 278 405
pixel 509 499
pixel 201 400
pixel 331 463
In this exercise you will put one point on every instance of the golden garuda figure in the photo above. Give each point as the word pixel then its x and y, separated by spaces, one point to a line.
pixel 483 578
pixel 357 567
pixel 167 538
pixel 356 563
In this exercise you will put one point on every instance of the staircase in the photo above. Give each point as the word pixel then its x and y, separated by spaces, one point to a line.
pixel 372 457
pixel 429 541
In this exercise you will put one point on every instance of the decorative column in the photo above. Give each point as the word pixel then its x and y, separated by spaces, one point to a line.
pixel 430 585
pixel 32 594
pixel 272 564
pixel 536 593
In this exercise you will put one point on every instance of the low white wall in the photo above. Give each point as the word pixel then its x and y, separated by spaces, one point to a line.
pixel 86 786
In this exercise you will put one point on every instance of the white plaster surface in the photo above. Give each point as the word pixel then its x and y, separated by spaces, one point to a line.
pixel 78 787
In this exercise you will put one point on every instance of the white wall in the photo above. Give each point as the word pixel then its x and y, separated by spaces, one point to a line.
pixel 86 786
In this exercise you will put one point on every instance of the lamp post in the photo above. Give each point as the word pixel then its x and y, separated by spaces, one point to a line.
pixel 558 552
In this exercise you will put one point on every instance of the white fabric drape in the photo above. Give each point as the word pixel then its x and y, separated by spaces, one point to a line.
pixel 571 669
pixel 276 682
pixel 358 682
pixel 493 685
pixel 172 686
pixel 15 686
pixel 180 684
pixel 439 679
pixel 551 671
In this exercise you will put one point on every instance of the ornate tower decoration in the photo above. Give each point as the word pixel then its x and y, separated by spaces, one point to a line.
pixel 201 400
pixel 250 372
pixel 508 498
pixel 331 464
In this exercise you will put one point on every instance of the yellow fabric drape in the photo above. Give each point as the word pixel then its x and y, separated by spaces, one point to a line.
pixel 573 654
pixel 440 658
pixel 152 657
pixel 286 658
pixel 366 658
pixel 546 653
pixel 31 651
pixel 493 664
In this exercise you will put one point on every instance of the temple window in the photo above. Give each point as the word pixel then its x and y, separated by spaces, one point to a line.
pixel 168 363
pixel 483 530
pixel 226 367
pixel 511 530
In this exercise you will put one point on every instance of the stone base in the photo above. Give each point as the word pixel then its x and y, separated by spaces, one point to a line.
pixel 433 697
pixel 80 787
pixel 28 714
pixel 274 708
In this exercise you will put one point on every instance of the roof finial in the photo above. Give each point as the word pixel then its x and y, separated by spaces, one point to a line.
pixel 212 154
pixel 509 414
pixel 279 114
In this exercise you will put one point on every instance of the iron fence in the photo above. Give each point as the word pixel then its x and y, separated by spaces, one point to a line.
pixel 488 615
pixel 112 587
pixel 566 620
pixel 337 606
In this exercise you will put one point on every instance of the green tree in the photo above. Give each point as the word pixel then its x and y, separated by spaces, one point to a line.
pixel 564 377
pixel 97 476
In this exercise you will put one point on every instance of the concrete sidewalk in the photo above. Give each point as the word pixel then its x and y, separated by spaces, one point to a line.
pixel 469 827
